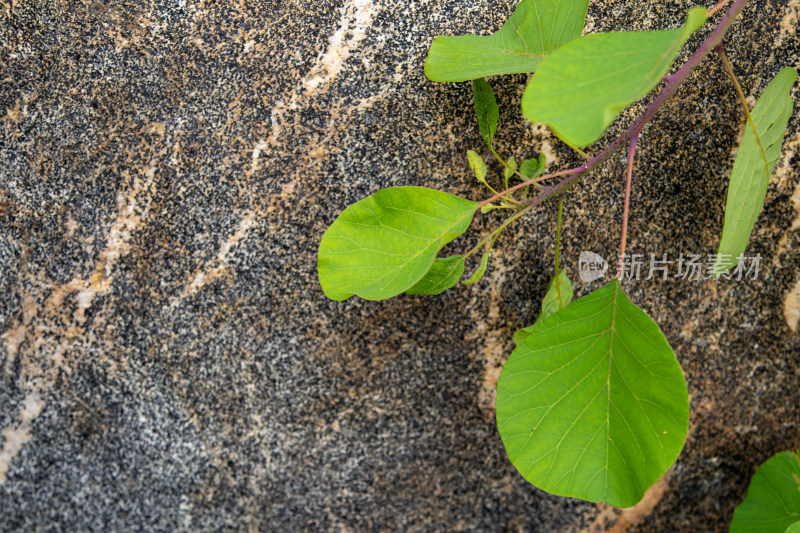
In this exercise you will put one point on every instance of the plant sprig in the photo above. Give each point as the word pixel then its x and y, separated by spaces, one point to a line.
pixel 592 403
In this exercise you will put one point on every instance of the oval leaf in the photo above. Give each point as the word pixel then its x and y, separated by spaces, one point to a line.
pixel 750 177
pixel 443 274
pixel 773 497
pixel 486 109
pixel 478 166
pixel 594 405
pixel 536 28
pixel 559 295
pixel 579 90
pixel 794 528
pixel 384 244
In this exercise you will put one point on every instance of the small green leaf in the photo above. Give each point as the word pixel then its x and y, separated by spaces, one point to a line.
pixel 533 167
pixel 794 528
pixel 478 274
pixel 749 177
pixel 384 244
pixel 536 28
pixel 773 497
pixel 559 295
pixel 443 274
pixel 477 165
pixel 580 89
pixel 594 405
pixel 486 109
pixel 509 169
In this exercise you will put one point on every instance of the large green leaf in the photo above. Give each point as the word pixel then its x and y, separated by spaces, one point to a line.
pixel 594 405
pixel 384 244
pixel 773 497
pixel 443 274
pixel 750 175
pixel 536 28
pixel 559 295
pixel 580 89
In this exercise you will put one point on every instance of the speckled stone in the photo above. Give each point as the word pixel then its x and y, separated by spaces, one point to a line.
pixel 168 360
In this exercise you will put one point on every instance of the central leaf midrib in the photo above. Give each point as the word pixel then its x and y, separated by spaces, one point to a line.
pixel 608 377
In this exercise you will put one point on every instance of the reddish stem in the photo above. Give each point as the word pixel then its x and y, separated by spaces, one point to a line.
pixel 508 191
pixel 631 152
pixel 716 8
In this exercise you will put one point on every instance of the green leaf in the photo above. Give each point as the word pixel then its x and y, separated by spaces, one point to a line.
pixel 773 497
pixel 443 274
pixel 594 405
pixel 478 274
pixel 536 28
pixel 750 177
pixel 533 167
pixel 794 528
pixel 486 109
pixel 559 295
pixel 384 244
pixel 477 165
pixel 580 89
pixel 509 169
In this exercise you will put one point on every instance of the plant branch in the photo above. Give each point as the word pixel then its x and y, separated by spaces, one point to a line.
pixel 672 84
pixel 582 168
pixel 574 175
pixel 625 209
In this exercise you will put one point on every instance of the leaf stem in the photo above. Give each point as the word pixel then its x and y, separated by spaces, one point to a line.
pixel 499 159
pixel 729 68
pixel 522 176
pixel 625 209
pixel 505 164
pixel 502 226
pixel 558 251
pixel 558 231
pixel 575 148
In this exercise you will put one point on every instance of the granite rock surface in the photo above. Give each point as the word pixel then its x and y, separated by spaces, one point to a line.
pixel 168 360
